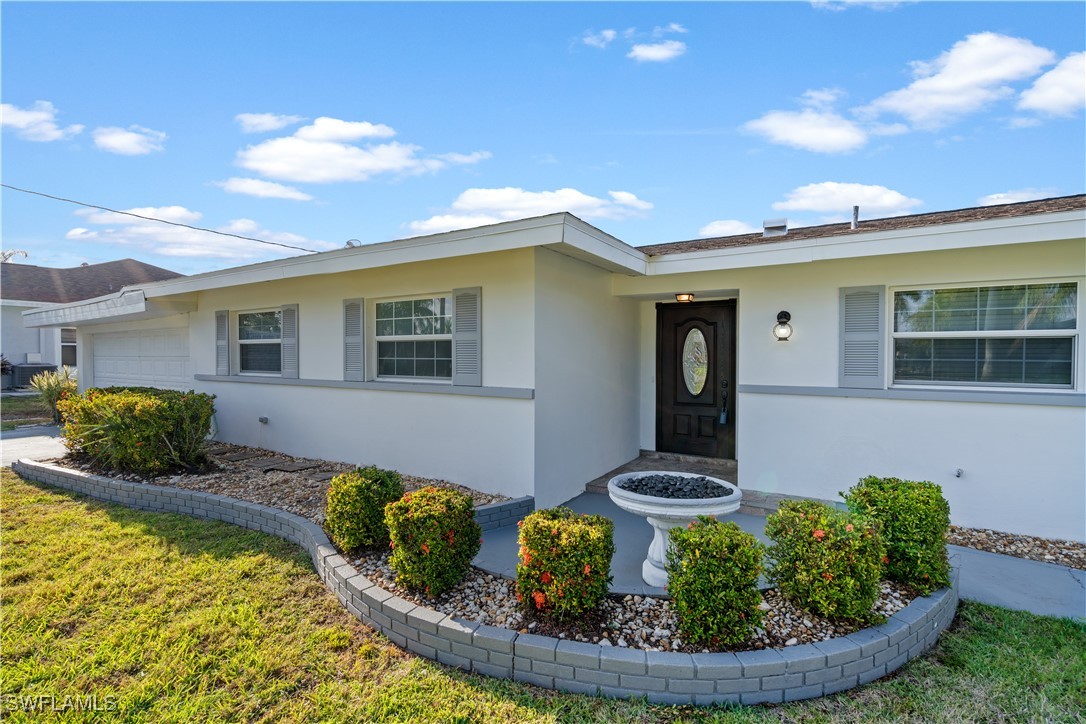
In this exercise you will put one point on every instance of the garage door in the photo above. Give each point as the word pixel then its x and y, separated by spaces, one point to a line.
pixel 146 358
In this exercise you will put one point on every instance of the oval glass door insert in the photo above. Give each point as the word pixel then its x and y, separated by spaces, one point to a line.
pixel 695 361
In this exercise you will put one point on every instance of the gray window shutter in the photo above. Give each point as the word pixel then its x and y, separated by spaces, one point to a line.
pixel 290 341
pixel 468 337
pixel 862 361
pixel 353 341
pixel 222 343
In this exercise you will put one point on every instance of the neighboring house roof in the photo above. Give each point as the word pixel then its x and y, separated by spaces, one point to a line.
pixel 30 283
pixel 976 213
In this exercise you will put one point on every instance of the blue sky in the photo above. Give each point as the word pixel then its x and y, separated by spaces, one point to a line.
pixel 311 124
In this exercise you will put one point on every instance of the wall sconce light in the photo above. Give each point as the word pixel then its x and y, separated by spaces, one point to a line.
pixel 782 330
pixel 684 297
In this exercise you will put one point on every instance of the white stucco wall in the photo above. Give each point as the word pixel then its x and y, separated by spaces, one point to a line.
pixel 816 446
pixel 586 372
pixel 16 340
pixel 483 442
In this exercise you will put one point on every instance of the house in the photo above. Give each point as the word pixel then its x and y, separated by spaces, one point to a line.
pixel 531 356
pixel 24 287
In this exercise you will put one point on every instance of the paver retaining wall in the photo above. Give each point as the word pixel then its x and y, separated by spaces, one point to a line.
pixel 747 677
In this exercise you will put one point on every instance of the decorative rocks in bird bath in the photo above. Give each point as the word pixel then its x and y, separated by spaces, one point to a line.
pixel 668 500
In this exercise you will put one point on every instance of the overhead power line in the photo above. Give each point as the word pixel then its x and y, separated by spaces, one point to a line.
pixel 151 218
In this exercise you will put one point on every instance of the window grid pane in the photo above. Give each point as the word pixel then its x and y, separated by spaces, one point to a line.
pixel 414 317
pixel 1014 360
pixel 432 359
pixel 261 357
pixel 979 309
pixel 260 325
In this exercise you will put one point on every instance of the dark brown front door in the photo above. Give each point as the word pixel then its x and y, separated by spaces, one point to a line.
pixel 695 378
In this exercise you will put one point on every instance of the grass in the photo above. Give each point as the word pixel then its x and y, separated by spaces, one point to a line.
pixel 15 411
pixel 177 619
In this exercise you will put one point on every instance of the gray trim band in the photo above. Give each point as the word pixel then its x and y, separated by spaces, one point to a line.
pixel 1058 399
pixel 513 393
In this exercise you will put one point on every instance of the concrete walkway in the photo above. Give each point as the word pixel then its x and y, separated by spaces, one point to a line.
pixel 1014 583
pixel 39 442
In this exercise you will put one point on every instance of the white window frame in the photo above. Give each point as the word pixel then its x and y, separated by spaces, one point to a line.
pixel 376 339
pixel 238 342
pixel 1074 334
pixel 74 344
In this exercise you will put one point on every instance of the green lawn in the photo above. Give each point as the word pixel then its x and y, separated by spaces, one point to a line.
pixel 28 410
pixel 176 619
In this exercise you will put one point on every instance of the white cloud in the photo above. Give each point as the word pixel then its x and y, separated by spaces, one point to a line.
pixel 660 31
pixel 657 52
pixel 834 197
pixel 334 129
pixel 131 141
pixel 822 131
pixel 264 122
pixel 822 98
pixel 175 241
pixel 1059 92
pixel 263 189
pixel 837 5
pixel 971 75
pixel 599 40
pixel 726 227
pixel 478 207
pixel 37 123
pixel 1013 197
pixel 319 153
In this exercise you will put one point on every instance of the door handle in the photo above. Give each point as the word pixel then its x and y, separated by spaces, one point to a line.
pixel 723 403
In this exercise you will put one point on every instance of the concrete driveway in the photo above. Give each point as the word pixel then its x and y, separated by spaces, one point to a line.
pixel 36 443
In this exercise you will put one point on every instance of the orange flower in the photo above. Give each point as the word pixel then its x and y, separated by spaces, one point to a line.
pixel 819 534
pixel 547 577
pixel 519 597
pixel 587 569
pixel 450 537
pixel 526 557
pixel 828 576
pixel 885 560
pixel 849 527
pixel 425 548
pixel 540 599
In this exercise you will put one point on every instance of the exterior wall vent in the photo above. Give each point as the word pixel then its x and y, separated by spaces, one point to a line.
pixel 774 227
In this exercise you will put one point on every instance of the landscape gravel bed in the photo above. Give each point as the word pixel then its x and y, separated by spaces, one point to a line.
pixel 295 492
pixel 1062 552
pixel 641 622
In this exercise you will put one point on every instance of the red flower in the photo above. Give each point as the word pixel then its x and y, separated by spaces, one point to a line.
pixel 819 534
pixel 587 569
pixel 540 599
pixel 519 597
pixel 391 544
pixel 425 548
pixel 885 560
pixel 828 576
pixel 547 577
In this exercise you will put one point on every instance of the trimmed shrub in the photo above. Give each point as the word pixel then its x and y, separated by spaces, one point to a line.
pixel 434 537
pixel 826 560
pixel 565 562
pixel 915 518
pixel 55 385
pixel 713 570
pixel 140 430
pixel 354 511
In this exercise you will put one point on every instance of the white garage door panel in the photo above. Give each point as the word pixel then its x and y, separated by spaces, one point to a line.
pixel 147 358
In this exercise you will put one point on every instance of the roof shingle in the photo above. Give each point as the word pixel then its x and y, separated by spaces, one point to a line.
pixel 976 213
pixel 27 282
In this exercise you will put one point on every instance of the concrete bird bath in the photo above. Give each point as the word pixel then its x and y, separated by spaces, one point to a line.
pixel 665 513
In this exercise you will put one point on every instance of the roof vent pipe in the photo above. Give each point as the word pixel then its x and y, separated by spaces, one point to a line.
pixel 774 227
pixel 855 217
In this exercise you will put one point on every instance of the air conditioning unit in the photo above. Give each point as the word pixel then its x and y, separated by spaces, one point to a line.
pixel 23 373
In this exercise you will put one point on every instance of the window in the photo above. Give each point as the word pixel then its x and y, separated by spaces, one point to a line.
pixel 260 342
pixel 67 346
pixel 994 335
pixel 414 338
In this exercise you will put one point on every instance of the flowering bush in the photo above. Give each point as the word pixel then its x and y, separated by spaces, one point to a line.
pixel 826 560
pixel 915 518
pixel 142 430
pixel 354 512
pixel 713 571
pixel 565 562
pixel 434 537
pixel 55 385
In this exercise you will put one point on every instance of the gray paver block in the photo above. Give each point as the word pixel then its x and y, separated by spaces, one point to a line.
pixel 456 629
pixel 540 648
pixel 547 682
pixel 421 649
pixel 803 692
pixel 857 667
pixel 715 699
pixel 425 619
pixel 408 632
pixel 375 596
pixel 822 675
pixel 577 653
pixel 451 659
pixel 897 662
pixel 845 682
pixel 468 651
pixel 576 687
pixel 495 670
pixel 622 661
pixel 782 681
pixel 737 686
pixel 895 630
pixel 838 651
pixel 717 666
pixel 761 697
pixel 691 686
pixel 642 683
pixel 766 662
pixel 435 642
pixel 870 643
pixel 670 664
pixel 876 673
pixel 669 698
pixel 798 659
pixel 548 668
pixel 599 678
pixel 885 655
pixel 502 640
